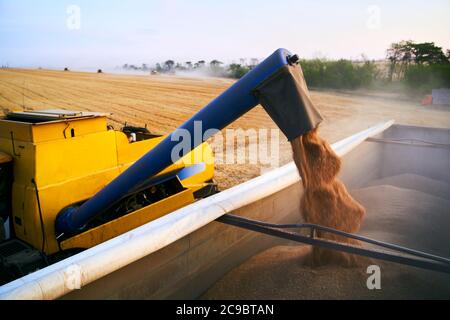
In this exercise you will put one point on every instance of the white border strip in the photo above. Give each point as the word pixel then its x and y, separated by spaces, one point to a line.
pixel 79 270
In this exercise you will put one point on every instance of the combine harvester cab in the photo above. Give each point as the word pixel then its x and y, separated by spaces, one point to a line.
pixel 52 159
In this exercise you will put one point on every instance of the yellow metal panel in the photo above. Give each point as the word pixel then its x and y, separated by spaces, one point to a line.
pixel 67 159
pixel 22 131
pixel 46 131
pixel 63 129
pixel 58 196
pixel 128 222
pixel 31 221
pixel 129 152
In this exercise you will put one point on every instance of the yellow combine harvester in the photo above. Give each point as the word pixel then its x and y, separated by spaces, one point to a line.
pixel 52 159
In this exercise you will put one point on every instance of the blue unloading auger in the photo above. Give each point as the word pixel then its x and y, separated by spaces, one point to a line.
pixel 276 83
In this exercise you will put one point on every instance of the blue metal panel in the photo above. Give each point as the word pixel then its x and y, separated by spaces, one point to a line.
pixel 219 113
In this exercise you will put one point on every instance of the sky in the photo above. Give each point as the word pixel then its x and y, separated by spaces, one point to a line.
pixel 107 33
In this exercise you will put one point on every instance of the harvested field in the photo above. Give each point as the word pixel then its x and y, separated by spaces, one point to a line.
pixel 164 102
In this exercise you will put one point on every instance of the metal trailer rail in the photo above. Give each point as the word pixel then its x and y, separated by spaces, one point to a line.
pixel 398 254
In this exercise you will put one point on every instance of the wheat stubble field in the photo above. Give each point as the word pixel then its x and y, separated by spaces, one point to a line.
pixel 164 102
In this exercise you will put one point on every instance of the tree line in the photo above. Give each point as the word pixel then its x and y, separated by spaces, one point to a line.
pixel 212 68
pixel 419 66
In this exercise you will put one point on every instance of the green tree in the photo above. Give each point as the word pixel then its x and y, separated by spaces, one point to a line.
pixel 399 55
pixel 237 70
pixel 428 53
pixel 402 54
pixel 341 74
pixel 215 63
pixel 423 77
pixel 169 64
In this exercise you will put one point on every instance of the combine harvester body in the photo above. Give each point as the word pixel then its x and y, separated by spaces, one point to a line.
pixel 55 158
